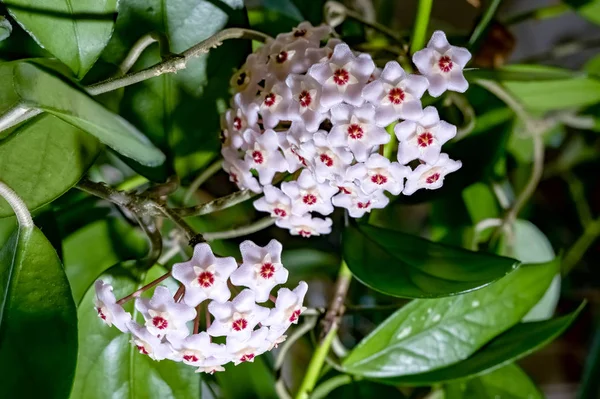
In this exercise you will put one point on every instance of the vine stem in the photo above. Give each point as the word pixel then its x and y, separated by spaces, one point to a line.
pixel 420 29
pixel 138 48
pixel 330 328
pixel 18 206
pixel 574 254
pixel 139 292
pixel 241 231
pixel 202 177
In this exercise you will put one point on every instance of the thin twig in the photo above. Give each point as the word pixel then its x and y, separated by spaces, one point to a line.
pixel 216 204
pixel 202 177
pixel 148 224
pixel 260 224
pixel 164 189
pixel 577 191
pixel 579 248
pixel 139 292
pixel 138 48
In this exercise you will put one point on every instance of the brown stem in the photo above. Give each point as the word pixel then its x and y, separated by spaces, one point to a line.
pixel 137 293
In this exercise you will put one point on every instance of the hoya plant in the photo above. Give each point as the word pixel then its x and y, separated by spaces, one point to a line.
pixel 289 200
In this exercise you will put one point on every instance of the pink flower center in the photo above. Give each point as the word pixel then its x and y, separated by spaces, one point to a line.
pixel 295 314
pixel 300 32
pixel 304 233
pixel 142 349
pixel 445 63
pixel 258 157
pixel 379 179
pixel 234 177
pixel 309 199
pixel 304 98
pixel 301 159
pixel 355 132
pixel 160 322
pixel 237 123
pixel 240 324
pixel 326 159
pixel 269 100
pixel 344 190
pixel 206 279
pixel 280 212
pixel 363 205
pixel 281 57
pixel 246 358
pixel 433 178
pixel 341 77
pixel 101 313
pixel 396 95
pixel 267 271
pixel 190 358
pixel 425 139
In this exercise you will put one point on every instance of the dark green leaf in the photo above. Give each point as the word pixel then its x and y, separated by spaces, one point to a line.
pixel 285 7
pixel 76 32
pixel 428 334
pixel 247 381
pixel 508 382
pixel 66 151
pixel 109 364
pixel 5 28
pixel 407 266
pixel 480 202
pixel 589 9
pixel 38 320
pixel 514 344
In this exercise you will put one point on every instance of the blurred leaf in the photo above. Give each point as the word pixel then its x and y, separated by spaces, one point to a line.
pixel 247 381
pixel 514 344
pixel 480 202
pixel 94 248
pixel 66 151
pixel 5 28
pixel 556 94
pixel 7 226
pixel 404 265
pixel 491 119
pixel 76 32
pixel 38 320
pixel 285 7
pixel 508 382
pixel 108 364
pixel 428 334
pixel 363 389
pixel 36 88
pixel 589 9
pixel 306 262
pixel 521 72
pixel 592 66
pixel 590 384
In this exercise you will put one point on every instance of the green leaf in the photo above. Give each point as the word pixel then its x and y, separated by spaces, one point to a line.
pixel 94 248
pixel 38 320
pixel 480 202
pixel 589 9
pixel 521 72
pixel 109 364
pixel 428 334
pixel 5 28
pixel 38 88
pixel 408 266
pixel 247 381
pixel 76 32
pixel 67 153
pixel 514 344
pixel 508 382
pixel 556 94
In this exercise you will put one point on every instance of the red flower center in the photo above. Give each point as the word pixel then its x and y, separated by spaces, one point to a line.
pixel 396 95
pixel 246 358
pixel 101 313
pixel 433 178
pixel 363 205
pixel 190 358
pixel 299 32
pixel 341 77
pixel 379 179
pixel 445 63
pixel 206 279
pixel 425 139
pixel 240 324
pixel 309 199
pixel 258 157
pixel 234 177
pixel 304 98
pixel 237 123
pixel 304 233
pixel 269 100
pixel 344 190
pixel 355 132
pixel 300 157
pixel 267 270
pixel 281 57
pixel 326 159
pixel 142 349
pixel 160 322
pixel 295 314
pixel 280 212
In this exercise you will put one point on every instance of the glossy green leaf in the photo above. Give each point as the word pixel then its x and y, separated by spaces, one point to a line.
pixel 67 153
pixel 514 344
pixel 589 9
pixel 508 382
pixel 247 381
pixel 556 94
pixel 108 364
pixel 75 32
pixel 94 248
pixel 408 266
pixel 5 28
pixel 38 320
pixel 428 334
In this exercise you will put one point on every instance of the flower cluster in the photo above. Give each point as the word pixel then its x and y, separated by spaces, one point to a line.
pixel 206 287
pixel 314 109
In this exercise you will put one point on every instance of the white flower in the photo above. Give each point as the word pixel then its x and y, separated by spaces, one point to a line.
pixel 211 366
pixel 395 94
pixel 378 173
pixel 164 316
pixel 322 54
pixel 423 138
pixel 239 171
pixel 288 306
pixel 430 176
pixel 107 308
pixel 264 155
pixel 356 128
pixel 306 226
pixel 147 343
pixel 276 336
pixel 442 65
pixel 198 350
pixel 360 203
pixel 346 180
pixel 204 276
pixel 343 76
pixel 326 161
pixel 261 268
pixel 286 58
pixel 306 95
pixel 235 124
pixel 275 202
pixel 238 317
pixel 246 80
pixel 274 103
pixel 309 195
pixel 247 350
pixel 305 31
